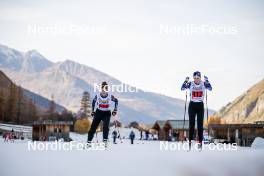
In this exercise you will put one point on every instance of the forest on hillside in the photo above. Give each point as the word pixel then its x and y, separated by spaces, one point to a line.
pixel 17 108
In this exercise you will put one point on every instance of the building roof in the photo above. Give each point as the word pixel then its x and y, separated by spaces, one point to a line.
pixel 50 122
pixel 242 125
pixel 178 124
pixel 174 124
pixel 159 123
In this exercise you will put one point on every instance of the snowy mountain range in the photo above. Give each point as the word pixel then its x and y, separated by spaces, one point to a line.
pixel 67 81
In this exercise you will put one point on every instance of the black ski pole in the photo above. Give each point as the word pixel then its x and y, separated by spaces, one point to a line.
pixel 184 111
pixel 96 137
pixel 207 113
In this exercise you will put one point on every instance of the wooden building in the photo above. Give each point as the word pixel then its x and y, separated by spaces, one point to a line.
pixel 172 130
pixel 242 134
pixel 159 127
pixel 178 130
pixel 48 130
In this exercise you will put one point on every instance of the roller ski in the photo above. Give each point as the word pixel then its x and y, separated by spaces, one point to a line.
pixel 200 146
pixel 190 146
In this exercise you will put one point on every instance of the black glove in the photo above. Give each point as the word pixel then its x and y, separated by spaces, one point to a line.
pixel 206 79
pixel 92 114
pixel 186 79
pixel 114 112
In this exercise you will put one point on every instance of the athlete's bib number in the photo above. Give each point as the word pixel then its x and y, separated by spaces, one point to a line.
pixel 197 94
pixel 103 105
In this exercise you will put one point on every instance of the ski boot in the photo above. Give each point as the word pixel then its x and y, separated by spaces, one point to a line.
pixel 200 146
pixel 190 146
pixel 88 145
pixel 105 143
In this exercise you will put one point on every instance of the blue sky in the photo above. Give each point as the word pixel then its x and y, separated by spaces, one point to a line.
pixel 128 42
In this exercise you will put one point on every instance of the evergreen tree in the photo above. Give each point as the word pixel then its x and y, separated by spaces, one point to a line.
pixel 52 108
pixel 34 109
pixel 19 104
pixel 2 105
pixel 12 104
pixel 86 105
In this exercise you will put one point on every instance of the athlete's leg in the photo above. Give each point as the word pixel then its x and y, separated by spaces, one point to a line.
pixel 94 125
pixel 192 114
pixel 106 121
pixel 200 120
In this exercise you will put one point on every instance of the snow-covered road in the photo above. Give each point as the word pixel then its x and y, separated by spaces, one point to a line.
pixel 128 160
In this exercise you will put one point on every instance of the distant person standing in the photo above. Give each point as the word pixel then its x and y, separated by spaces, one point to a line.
pixel 6 136
pixel 114 134
pixel 12 135
pixel 132 137
pixel 147 135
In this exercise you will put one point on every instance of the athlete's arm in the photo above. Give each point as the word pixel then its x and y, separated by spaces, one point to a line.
pixel 93 103
pixel 186 85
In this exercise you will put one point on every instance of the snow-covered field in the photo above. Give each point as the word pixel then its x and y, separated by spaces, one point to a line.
pixel 142 158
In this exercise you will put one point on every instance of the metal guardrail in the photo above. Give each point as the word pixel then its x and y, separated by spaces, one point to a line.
pixel 18 128
pixel 25 131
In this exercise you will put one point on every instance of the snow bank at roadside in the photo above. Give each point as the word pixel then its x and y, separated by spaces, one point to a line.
pixel 258 143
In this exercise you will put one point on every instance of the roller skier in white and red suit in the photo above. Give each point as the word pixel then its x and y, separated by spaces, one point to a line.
pixel 197 89
pixel 101 112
